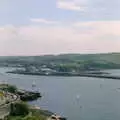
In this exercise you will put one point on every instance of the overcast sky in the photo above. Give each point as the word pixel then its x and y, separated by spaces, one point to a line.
pixel 35 27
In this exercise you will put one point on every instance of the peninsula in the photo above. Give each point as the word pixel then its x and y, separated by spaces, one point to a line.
pixel 85 65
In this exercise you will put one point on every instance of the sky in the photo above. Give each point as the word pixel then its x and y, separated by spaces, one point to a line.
pixel 37 27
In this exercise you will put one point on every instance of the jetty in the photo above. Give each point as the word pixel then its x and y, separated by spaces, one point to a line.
pixel 100 76
pixel 71 74
pixel 26 95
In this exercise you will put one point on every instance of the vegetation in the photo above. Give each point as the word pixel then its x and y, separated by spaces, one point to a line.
pixel 21 111
pixel 26 118
pixel 65 62
pixel 8 88
pixel 12 89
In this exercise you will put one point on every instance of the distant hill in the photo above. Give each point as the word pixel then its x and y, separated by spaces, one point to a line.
pixel 108 59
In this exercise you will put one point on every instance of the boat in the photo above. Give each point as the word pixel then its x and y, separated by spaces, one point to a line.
pixel 33 84
pixel 56 117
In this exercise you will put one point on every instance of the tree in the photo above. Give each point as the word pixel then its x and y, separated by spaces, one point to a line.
pixel 19 108
pixel 12 89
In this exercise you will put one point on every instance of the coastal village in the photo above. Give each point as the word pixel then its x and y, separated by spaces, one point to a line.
pixel 53 69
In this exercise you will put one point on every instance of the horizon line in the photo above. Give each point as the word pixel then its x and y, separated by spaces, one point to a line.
pixel 60 54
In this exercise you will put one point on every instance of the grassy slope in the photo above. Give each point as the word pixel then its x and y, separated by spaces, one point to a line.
pixel 110 57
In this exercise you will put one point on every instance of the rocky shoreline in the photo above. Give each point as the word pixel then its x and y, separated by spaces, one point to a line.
pixel 16 103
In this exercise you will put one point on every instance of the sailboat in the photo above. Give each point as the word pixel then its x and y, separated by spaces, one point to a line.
pixel 33 84
pixel 77 97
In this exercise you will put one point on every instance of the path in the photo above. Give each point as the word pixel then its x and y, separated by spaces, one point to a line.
pixel 5 108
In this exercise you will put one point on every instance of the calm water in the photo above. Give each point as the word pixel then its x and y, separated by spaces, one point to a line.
pixel 114 72
pixel 77 98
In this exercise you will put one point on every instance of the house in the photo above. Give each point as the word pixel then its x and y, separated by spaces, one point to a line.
pixel 47 71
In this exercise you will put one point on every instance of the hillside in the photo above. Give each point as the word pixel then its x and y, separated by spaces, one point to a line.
pixel 108 60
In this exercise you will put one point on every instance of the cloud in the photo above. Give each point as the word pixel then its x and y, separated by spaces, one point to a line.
pixel 100 27
pixel 92 9
pixel 80 37
pixel 70 5
pixel 41 20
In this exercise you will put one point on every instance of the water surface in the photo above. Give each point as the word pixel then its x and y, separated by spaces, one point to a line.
pixel 77 98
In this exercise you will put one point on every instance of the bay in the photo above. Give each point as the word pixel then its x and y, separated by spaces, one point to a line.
pixel 77 98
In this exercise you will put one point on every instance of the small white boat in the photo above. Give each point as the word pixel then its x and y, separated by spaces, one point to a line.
pixel 77 97
pixel 33 84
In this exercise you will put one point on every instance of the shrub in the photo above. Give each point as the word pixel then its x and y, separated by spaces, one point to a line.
pixel 12 89
pixel 19 109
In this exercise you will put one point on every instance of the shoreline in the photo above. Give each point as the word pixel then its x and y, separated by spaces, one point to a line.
pixel 17 98
pixel 99 75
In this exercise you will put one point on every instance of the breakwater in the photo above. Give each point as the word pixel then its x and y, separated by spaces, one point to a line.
pixel 100 76
pixel 67 74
